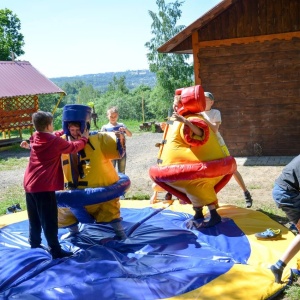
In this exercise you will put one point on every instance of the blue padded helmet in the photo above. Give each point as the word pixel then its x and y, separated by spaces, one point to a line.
pixel 76 113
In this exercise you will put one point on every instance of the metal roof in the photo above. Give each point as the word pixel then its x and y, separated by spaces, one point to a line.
pixel 20 78
pixel 171 45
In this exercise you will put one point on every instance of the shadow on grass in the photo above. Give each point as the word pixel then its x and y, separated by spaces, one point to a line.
pixel 279 219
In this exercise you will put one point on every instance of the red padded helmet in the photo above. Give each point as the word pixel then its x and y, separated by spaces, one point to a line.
pixel 192 100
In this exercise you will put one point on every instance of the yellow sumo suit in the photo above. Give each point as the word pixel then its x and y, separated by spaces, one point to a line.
pixel 92 185
pixel 191 167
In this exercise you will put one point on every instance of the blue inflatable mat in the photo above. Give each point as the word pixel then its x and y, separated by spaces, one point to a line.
pixel 160 259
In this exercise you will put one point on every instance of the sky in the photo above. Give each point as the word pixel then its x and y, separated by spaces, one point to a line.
pixel 79 37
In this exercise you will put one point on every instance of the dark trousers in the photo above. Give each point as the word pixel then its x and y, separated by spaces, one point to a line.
pixel 42 214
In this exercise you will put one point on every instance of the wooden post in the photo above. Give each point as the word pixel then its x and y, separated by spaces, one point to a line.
pixel 196 49
pixel 143 112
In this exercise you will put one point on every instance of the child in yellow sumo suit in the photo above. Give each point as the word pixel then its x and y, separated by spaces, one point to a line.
pixel 92 168
pixel 191 163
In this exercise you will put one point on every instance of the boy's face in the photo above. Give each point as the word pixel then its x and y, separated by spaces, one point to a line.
pixel 113 117
pixel 50 127
pixel 75 131
pixel 209 103
pixel 176 103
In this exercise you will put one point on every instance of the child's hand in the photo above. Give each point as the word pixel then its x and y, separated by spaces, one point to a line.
pixel 163 126
pixel 85 133
pixel 179 118
pixel 25 145
pixel 122 129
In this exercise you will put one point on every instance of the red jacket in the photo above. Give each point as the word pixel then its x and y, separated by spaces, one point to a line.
pixel 44 171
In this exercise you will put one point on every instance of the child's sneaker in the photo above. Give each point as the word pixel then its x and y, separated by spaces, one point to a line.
pixel 277 273
pixel 10 210
pixel 248 199
pixel 269 234
pixel 18 207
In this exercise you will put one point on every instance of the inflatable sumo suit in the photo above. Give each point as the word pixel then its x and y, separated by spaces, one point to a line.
pixel 192 168
pixel 92 185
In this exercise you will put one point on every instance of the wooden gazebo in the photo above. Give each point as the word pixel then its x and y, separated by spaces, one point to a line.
pixel 20 86
pixel 247 53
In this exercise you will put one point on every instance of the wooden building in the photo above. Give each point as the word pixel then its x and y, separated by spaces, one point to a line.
pixel 247 53
pixel 20 87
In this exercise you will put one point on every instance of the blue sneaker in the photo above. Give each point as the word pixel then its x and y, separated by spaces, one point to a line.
pixel 269 234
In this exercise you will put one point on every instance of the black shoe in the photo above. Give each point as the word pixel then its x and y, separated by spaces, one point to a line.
pixel 248 199
pixel 40 246
pixel 198 213
pixel 10 210
pixel 60 253
pixel 277 273
pixel 17 207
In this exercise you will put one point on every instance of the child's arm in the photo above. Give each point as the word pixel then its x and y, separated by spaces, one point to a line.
pixel 25 145
pixel 127 131
pixel 214 126
pixel 196 130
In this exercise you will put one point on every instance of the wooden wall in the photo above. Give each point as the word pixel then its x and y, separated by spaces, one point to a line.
pixel 16 113
pixel 246 18
pixel 257 90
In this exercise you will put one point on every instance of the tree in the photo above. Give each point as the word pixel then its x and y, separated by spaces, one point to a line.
pixel 11 40
pixel 118 85
pixel 172 70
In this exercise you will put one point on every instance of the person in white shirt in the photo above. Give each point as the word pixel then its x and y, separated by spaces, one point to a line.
pixel 213 117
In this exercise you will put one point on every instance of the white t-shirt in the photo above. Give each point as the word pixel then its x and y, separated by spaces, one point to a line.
pixel 214 116
pixel 110 127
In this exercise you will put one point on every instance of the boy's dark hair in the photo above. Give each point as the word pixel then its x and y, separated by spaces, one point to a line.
pixel 41 120
pixel 76 124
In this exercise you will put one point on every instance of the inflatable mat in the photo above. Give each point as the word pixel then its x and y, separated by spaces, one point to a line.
pixel 161 259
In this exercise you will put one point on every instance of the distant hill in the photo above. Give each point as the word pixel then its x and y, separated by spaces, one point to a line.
pixel 100 81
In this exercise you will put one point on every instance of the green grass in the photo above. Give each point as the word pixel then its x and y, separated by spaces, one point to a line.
pixel 13 163
pixel 293 292
pixel 10 196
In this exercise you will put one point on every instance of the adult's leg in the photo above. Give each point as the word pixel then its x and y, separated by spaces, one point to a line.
pixel 35 227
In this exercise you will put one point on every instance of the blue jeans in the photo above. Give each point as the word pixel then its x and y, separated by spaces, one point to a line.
pixel 121 164
pixel 288 201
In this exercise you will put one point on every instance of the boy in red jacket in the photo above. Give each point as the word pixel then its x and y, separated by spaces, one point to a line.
pixel 44 176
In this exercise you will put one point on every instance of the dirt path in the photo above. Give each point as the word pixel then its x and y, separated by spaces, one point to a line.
pixel 141 155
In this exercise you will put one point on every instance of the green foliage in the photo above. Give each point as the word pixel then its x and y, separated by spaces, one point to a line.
pixel 48 102
pixel 159 103
pixel 172 70
pixel 11 40
pixel 12 195
pixel 118 85
pixel 293 292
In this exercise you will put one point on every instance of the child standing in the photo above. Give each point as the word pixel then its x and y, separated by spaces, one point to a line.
pixel 213 116
pixel 113 125
pixel 44 176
